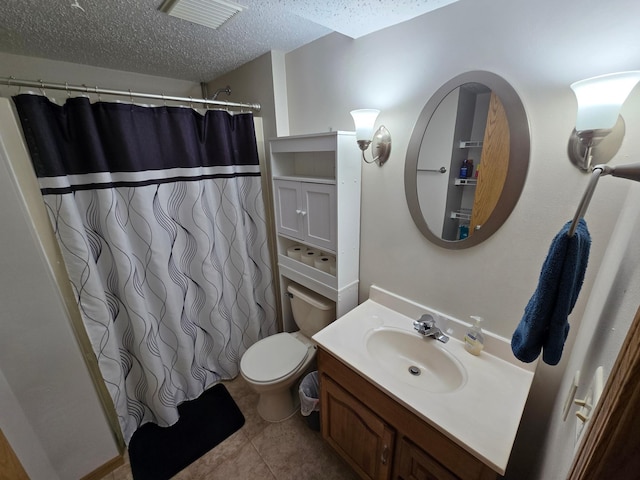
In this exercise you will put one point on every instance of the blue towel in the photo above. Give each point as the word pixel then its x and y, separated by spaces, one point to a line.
pixel 544 325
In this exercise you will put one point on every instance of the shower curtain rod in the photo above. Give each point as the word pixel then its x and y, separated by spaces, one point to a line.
pixel 630 172
pixel 10 81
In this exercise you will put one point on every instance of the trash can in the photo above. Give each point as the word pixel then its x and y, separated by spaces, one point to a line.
pixel 310 400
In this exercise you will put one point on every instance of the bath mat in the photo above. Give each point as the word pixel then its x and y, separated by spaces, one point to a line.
pixel 157 453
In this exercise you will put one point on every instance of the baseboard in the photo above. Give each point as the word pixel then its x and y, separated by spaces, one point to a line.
pixel 105 469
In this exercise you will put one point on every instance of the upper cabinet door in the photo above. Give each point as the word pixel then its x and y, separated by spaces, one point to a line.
pixel 288 200
pixel 319 217
pixel 307 211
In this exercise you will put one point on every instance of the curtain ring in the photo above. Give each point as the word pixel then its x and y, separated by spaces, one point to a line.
pixel 191 101
pixel 42 89
pixel 98 93
pixel 130 97
pixel 66 86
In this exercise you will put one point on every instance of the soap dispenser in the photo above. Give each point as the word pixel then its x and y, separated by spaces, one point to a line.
pixel 474 340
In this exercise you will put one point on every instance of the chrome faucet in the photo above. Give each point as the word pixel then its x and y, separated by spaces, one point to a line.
pixel 427 326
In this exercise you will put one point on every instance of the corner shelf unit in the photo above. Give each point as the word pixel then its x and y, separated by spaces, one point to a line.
pixel 316 189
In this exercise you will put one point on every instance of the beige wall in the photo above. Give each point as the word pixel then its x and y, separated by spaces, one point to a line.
pixel 540 49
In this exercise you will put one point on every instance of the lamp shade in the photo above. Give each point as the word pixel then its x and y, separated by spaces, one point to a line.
pixel 600 99
pixel 364 120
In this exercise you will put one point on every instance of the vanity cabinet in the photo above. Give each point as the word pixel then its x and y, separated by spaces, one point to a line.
pixel 358 434
pixel 382 439
pixel 316 190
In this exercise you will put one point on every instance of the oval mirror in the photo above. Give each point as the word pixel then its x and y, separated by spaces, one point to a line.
pixel 467 160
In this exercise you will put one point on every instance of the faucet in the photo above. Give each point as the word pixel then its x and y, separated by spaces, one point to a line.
pixel 427 326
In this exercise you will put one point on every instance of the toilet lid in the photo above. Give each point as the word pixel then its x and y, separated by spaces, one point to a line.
pixel 273 357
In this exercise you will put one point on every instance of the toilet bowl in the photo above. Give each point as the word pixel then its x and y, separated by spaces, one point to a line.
pixel 273 365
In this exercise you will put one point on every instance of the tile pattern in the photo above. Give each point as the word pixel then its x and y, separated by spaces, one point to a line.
pixel 261 450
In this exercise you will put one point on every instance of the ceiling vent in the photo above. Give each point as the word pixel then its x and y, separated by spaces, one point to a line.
pixel 210 13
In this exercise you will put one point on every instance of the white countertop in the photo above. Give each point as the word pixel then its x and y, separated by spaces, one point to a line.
pixel 482 415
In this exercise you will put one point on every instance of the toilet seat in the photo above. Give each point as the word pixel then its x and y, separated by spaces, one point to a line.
pixel 273 358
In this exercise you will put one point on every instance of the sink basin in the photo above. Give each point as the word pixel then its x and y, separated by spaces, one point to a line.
pixel 417 361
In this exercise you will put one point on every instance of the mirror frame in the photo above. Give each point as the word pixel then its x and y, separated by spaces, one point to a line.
pixel 519 152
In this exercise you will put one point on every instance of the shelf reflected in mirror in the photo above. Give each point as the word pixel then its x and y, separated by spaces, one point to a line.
pixel 467 160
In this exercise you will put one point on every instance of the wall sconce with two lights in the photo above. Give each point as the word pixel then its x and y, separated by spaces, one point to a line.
pixel 365 120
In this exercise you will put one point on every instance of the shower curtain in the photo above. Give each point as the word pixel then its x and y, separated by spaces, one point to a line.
pixel 159 215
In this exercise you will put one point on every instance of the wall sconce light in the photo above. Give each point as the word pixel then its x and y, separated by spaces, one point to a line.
pixel 364 120
pixel 599 102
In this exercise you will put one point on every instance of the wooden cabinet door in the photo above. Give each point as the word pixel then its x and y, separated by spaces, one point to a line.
pixel 319 214
pixel 288 200
pixel 494 164
pixel 10 466
pixel 355 432
pixel 413 463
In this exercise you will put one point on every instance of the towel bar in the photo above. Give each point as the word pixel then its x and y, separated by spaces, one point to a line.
pixel 630 171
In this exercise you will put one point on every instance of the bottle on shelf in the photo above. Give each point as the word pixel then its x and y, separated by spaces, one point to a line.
pixel 469 167
pixel 463 169
pixel 466 169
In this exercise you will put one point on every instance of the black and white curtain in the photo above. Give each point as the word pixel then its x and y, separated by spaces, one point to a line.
pixel 159 215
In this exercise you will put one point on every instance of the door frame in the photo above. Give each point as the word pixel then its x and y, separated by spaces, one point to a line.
pixel 611 443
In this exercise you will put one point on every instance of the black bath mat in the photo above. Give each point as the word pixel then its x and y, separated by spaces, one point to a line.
pixel 157 453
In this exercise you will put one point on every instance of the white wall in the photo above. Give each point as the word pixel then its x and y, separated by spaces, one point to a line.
pixel 540 48
pixel 609 313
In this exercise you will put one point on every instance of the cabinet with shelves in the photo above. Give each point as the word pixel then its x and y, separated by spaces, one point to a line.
pixel 379 437
pixel 316 186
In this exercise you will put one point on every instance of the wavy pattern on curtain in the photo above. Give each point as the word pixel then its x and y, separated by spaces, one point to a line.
pixel 167 251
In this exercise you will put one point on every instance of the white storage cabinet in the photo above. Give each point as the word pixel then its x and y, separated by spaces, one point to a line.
pixel 316 186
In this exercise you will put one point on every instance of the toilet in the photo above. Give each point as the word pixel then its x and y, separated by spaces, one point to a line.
pixel 272 366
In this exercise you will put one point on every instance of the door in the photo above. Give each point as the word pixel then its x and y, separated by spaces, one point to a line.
pixel 362 438
pixel 306 211
pixel 288 200
pixel 494 162
pixel 413 463
pixel 10 466
pixel 319 214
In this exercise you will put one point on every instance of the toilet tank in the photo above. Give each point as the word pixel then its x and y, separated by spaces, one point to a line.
pixel 311 311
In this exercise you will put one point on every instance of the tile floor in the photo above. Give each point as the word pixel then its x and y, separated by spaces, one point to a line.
pixel 262 450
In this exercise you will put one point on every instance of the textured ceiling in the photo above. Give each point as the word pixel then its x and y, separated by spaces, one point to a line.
pixel 361 17
pixel 133 35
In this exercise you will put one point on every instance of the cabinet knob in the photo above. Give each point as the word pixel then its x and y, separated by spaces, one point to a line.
pixel 298 211
pixel 385 454
pixel 303 213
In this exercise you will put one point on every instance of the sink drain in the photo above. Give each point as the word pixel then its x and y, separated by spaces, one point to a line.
pixel 413 370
